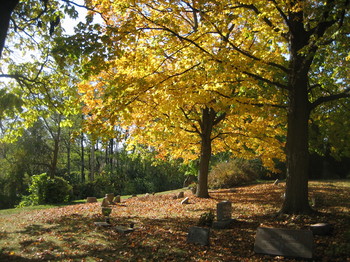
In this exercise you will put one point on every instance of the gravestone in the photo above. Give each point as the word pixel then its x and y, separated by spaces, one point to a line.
pixel 116 199
pixel 284 242
pixel 276 182
pixel 223 215
pixel 321 229
pixel 194 190
pixel 110 197
pixel 185 201
pixel 91 199
pixel 105 202
pixel 224 210
pixel 124 230
pixel 181 195
pixel 198 235
pixel 102 224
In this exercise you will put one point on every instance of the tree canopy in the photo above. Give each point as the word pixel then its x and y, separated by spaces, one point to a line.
pixel 276 53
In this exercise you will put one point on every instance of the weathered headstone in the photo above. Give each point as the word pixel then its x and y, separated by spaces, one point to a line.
pixel 313 201
pixel 194 190
pixel 110 197
pixel 276 182
pixel 198 235
pixel 185 201
pixel 284 242
pixel 91 199
pixel 105 202
pixel 102 224
pixel 124 230
pixel 224 210
pixel 223 215
pixel 116 199
pixel 321 229
pixel 181 195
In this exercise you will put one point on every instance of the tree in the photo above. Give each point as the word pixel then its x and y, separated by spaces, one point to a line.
pixel 205 110
pixel 270 42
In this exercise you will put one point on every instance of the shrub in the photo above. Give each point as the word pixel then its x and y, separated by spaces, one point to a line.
pixel 46 190
pixel 232 173
pixel 206 219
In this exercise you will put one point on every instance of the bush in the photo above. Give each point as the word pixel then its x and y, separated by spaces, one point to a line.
pixel 235 172
pixel 206 219
pixel 46 190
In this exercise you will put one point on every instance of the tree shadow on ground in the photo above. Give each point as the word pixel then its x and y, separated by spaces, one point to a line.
pixel 75 237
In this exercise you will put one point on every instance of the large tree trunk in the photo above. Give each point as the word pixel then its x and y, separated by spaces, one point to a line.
pixel 296 200
pixel 207 123
pixel 6 10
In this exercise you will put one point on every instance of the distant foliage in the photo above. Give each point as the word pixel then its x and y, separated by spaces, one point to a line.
pixel 232 173
pixel 45 190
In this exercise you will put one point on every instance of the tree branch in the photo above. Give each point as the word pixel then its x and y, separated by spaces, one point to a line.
pixel 330 98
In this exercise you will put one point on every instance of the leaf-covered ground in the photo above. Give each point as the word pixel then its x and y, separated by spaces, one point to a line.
pixel 162 223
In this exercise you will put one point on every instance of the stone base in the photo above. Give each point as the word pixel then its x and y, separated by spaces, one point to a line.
pixel 91 199
pixel 222 224
pixel 124 230
pixel 102 224
pixel 321 229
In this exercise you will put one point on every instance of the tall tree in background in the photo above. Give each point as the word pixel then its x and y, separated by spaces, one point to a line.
pixel 181 102
pixel 199 117
pixel 271 43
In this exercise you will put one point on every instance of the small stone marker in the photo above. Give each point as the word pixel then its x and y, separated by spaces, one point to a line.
pixel 313 201
pixel 321 229
pixel 105 202
pixel 116 199
pixel 91 199
pixel 223 215
pixel 102 224
pixel 276 182
pixel 224 210
pixel 110 197
pixel 284 242
pixel 124 230
pixel 181 195
pixel 198 235
pixel 194 190
pixel 185 201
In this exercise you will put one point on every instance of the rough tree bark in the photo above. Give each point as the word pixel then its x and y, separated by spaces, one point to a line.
pixel 210 118
pixel 296 200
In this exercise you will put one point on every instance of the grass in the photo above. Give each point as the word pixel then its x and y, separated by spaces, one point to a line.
pixel 68 233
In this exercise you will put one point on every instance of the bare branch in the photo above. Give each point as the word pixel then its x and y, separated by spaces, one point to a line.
pixel 330 98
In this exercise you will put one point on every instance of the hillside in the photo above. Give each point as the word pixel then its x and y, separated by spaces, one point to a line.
pixel 68 233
